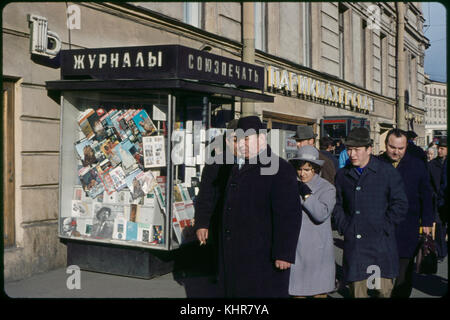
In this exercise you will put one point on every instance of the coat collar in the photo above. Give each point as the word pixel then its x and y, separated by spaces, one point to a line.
pixel 372 166
pixel 314 183
pixel 249 166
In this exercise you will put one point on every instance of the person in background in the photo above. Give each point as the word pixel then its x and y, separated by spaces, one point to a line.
pixel 420 213
pixel 436 167
pixel 370 202
pixel 431 154
pixel 343 158
pixel 326 145
pixel 313 273
pixel 305 136
pixel 413 149
pixel 209 201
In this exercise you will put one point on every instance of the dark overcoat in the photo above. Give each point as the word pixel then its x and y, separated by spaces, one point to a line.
pixel 435 167
pixel 368 206
pixel 416 179
pixel 260 224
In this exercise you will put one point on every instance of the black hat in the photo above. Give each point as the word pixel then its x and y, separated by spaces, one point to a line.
pixel 304 133
pixel 105 210
pixel 358 137
pixel 250 122
pixel 442 142
pixel 411 135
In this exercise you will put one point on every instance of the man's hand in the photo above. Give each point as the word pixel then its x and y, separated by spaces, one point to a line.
pixel 202 235
pixel 282 265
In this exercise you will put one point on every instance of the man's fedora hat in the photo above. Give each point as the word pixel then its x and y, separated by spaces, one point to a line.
pixel 358 137
pixel 442 142
pixel 304 133
pixel 251 122
pixel 308 153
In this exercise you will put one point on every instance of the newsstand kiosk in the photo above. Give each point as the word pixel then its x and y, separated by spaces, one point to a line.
pixel 134 124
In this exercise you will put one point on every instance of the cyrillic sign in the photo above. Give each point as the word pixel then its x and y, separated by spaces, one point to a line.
pixel 159 62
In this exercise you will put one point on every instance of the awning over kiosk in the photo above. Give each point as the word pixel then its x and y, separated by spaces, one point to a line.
pixel 166 85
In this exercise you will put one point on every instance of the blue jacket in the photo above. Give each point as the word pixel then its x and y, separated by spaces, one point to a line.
pixel 416 178
pixel 368 207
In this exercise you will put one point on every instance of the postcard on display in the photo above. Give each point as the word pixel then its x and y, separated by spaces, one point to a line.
pixel 132 231
pixel 144 124
pixel 154 151
pixel 91 182
pixel 177 197
pixel 118 177
pixel 190 212
pixel 120 228
pixel 104 215
pixel 180 214
pixel 106 118
pixel 178 144
pixel 85 125
pixel 81 145
pixel 81 209
pixel 149 199
pixel 147 181
pixel 157 235
pixel 69 227
pixel 78 193
pixel 114 119
pixel 144 232
pixel 107 147
pixel 124 197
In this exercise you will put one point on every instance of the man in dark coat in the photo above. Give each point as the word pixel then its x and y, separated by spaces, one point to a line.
pixel 305 136
pixel 436 167
pixel 326 145
pixel 370 202
pixel 420 213
pixel 261 220
pixel 209 201
pixel 413 149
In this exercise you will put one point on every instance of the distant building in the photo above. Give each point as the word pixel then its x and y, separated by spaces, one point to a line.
pixel 436 109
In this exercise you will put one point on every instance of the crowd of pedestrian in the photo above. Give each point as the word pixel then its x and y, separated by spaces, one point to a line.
pixel 271 234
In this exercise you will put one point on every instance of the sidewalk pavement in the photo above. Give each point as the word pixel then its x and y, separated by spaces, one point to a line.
pixel 188 283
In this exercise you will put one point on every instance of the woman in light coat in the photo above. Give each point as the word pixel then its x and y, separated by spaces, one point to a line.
pixel 313 273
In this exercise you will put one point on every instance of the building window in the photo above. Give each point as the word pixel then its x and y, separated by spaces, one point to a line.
pixel 260 26
pixel 383 63
pixel 306 26
pixel 193 13
pixel 342 10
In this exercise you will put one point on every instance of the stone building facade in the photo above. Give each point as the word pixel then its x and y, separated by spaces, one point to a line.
pixel 436 110
pixel 321 59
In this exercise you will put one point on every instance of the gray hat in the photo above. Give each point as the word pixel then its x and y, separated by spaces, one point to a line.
pixel 308 153
pixel 304 133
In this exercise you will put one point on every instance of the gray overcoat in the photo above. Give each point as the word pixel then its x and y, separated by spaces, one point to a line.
pixel 314 269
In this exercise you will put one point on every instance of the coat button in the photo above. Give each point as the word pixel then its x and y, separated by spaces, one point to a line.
pixel 357 212
pixel 229 208
pixel 358 188
pixel 358 236
pixel 227 231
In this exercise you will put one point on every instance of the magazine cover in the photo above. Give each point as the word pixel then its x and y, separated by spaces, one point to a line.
pixel 132 231
pixel 104 215
pixel 157 234
pixel 81 209
pixel 160 192
pixel 177 230
pixel 145 214
pixel 134 185
pixel 85 125
pixel 91 182
pixel 69 227
pixel 120 228
pixel 107 181
pixel 154 151
pixel 144 232
pixel 144 124
pixel 122 150
pixel 118 177
pixel 84 226
pixel 146 181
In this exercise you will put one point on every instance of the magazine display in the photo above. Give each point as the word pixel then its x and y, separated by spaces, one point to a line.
pixel 115 197
pixel 119 193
